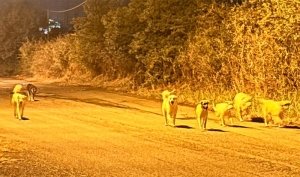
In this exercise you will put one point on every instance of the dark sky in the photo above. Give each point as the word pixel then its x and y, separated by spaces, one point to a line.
pixel 64 18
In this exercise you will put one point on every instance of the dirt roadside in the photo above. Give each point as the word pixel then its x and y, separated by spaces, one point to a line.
pixel 85 131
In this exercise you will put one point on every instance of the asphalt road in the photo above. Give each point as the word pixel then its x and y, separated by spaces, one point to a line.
pixel 84 131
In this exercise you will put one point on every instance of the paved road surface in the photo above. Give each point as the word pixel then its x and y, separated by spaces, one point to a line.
pixel 83 131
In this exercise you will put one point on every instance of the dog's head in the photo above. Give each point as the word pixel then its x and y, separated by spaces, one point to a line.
pixel 172 99
pixel 17 88
pixel 204 104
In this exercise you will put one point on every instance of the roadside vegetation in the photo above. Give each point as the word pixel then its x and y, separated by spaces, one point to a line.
pixel 204 49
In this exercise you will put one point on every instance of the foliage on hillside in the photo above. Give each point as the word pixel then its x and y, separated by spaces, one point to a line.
pixel 20 21
pixel 208 49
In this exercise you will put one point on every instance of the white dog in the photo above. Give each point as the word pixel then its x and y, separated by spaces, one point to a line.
pixel 169 109
pixel 18 100
pixel 222 111
pixel 274 108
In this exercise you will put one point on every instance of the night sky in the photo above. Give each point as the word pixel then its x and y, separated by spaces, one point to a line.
pixel 64 18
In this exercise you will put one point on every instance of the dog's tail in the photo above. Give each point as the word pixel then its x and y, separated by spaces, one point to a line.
pixel 165 94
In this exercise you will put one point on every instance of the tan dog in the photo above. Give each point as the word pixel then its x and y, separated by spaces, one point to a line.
pixel 222 111
pixel 18 100
pixel 273 108
pixel 202 113
pixel 241 103
pixel 169 109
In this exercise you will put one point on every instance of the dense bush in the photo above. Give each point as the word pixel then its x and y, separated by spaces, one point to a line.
pixel 205 48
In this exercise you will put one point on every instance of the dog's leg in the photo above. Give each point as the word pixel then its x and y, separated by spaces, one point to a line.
pixel 222 120
pixel 281 116
pixel 166 117
pixel 15 111
pixel 164 113
pixel 201 124
pixel 265 118
pixel 22 109
pixel 173 120
pixel 199 121
pixel 204 122
pixel 239 114
pixel 32 97
pixel 231 120
pixel 18 110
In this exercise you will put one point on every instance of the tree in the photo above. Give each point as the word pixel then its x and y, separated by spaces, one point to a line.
pixel 90 33
pixel 158 46
pixel 20 20
pixel 121 25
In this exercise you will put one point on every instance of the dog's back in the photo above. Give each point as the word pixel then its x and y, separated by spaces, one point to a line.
pixel 273 107
pixel 241 98
pixel 222 108
pixel 31 88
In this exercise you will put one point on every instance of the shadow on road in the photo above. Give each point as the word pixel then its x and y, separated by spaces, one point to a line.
pixel 238 126
pixel 25 118
pixel 257 119
pixel 215 130
pixel 184 126
pixel 186 118
pixel 291 127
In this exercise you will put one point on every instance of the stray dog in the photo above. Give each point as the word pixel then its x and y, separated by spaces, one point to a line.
pixel 31 91
pixel 202 113
pixel 18 100
pixel 241 103
pixel 274 108
pixel 169 108
pixel 222 111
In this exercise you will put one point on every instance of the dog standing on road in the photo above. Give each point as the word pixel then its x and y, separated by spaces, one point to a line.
pixel 274 108
pixel 222 111
pixel 18 100
pixel 241 103
pixel 31 91
pixel 202 113
pixel 169 107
